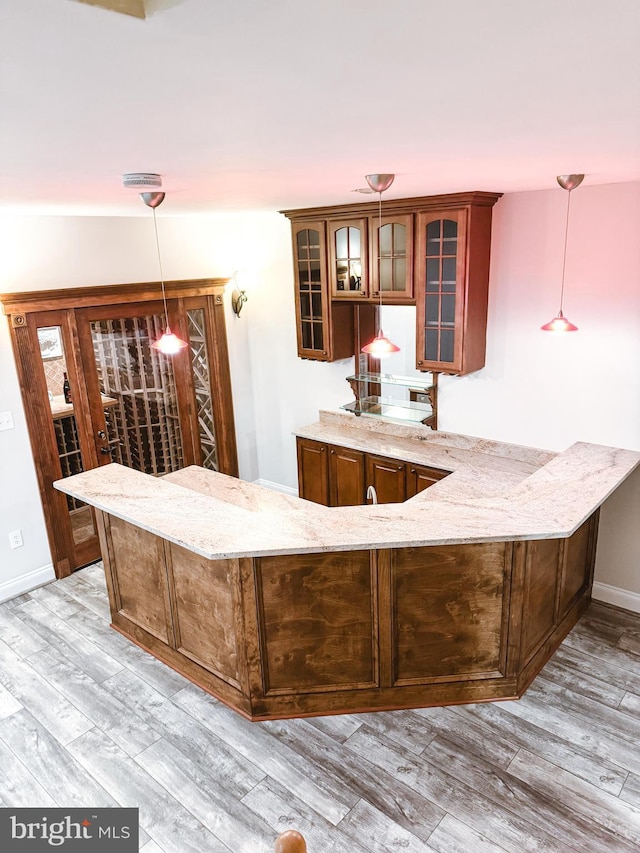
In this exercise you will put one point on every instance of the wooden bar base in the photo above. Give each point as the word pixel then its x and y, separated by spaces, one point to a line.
pixel 348 631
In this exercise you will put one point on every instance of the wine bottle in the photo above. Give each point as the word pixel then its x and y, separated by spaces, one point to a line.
pixel 66 389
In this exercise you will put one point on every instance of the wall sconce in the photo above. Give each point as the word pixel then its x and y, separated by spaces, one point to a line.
pixel 239 293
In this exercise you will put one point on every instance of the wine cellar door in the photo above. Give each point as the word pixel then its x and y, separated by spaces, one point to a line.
pixel 96 392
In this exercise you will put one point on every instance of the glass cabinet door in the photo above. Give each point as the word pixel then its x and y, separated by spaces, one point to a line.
pixel 440 296
pixel 311 289
pixel 348 259
pixel 392 257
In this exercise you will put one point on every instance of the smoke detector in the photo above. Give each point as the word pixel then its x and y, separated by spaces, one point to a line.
pixel 139 180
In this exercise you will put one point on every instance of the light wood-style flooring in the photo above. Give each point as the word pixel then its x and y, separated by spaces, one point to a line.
pixel 88 719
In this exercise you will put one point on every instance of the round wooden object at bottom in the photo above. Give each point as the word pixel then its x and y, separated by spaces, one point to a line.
pixel 290 842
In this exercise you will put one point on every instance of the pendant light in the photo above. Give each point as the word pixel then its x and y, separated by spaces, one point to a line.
pixel 380 346
pixel 169 344
pixel 560 322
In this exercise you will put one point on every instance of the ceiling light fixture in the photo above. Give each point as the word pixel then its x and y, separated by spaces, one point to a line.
pixel 560 322
pixel 169 344
pixel 380 346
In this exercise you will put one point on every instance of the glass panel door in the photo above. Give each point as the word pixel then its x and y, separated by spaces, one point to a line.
pixel 134 390
pixel 64 408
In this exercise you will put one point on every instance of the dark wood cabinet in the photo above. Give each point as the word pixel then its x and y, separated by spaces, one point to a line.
pixel 431 252
pixel 324 331
pixel 313 471
pixel 388 478
pixel 339 476
pixel 346 476
pixel 420 477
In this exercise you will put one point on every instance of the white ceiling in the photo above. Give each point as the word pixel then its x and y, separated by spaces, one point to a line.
pixel 269 104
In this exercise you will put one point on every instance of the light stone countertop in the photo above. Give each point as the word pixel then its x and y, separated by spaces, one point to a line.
pixel 497 491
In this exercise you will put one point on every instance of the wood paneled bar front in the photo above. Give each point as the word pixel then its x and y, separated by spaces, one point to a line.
pixel 282 608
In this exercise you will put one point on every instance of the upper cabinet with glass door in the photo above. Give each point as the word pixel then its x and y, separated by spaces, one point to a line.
pixel 432 252
pixel 451 286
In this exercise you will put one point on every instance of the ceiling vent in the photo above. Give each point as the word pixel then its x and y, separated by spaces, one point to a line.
pixel 136 180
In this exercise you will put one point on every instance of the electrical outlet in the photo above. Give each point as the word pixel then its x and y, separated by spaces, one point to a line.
pixel 15 539
pixel 6 420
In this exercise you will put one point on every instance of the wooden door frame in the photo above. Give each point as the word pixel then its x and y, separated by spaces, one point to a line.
pixel 63 307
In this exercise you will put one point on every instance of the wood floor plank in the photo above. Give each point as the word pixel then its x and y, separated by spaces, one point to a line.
pixel 162 816
pixel 630 704
pixel 159 676
pixel 597 668
pixel 614 722
pixel 328 796
pixel 588 644
pixel 522 733
pixel 462 801
pixel 282 810
pixel 502 787
pixel 378 833
pixel 406 727
pixel 401 804
pixel 583 684
pixel 97 702
pixel 88 595
pixel 578 731
pixel 54 597
pixel 59 774
pixel 47 704
pixel 198 743
pixel 18 636
pixel 631 791
pixel 608 614
pixel 60 634
pixel 630 642
pixel 453 836
pixel 469 734
pixel 8 703
pixel 19 788
pixel 338 726
pixel 229 819
pixel 619 818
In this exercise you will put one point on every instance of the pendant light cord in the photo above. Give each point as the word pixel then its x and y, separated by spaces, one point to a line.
pixel 564 258
pixel 380 255
pixel 164 297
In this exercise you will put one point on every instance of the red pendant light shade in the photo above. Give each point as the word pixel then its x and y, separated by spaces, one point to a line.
pixel 168 344
pixel 380 346
pixel 560 322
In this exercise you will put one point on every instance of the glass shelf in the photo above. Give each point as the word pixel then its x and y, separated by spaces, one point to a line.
pixel 392 379
pixel 400 411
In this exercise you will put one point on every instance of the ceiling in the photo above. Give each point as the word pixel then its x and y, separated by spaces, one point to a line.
pixel 270 104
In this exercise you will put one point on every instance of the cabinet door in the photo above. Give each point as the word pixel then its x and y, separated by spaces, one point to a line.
pixel 348 259
pixel 346 477
pixel 392 257
pixel 313 471
pixel 419 478
pixel 440 290
pixel 312 309
pixel 387 476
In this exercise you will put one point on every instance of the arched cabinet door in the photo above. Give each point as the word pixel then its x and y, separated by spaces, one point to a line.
pixel 440 296
pixel 348 259
pixel 391 261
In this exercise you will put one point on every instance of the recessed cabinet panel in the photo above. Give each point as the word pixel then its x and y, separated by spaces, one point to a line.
pixel 446 593
pixel 313 471
pixel 578 564
pixel 317 624
pixel 346 476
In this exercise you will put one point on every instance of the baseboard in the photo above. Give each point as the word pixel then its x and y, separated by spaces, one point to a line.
pixel 277 487
pixel 614 595
pixel 25 583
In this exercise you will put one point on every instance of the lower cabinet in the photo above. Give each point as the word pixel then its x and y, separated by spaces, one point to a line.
pixel 338 476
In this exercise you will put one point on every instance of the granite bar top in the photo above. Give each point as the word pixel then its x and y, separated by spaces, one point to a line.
pixel 497 491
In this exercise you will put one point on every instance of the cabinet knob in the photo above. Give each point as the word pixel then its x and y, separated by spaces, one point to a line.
pixel 322 449
pixel 333 451
pixel 421 362
pixel 413 470
pixel 400 467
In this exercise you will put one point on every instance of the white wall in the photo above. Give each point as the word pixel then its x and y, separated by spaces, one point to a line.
pixel 536 388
